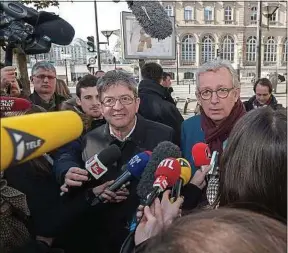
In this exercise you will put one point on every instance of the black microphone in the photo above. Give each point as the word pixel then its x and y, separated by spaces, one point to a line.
pixel 162 151
pixel 152 17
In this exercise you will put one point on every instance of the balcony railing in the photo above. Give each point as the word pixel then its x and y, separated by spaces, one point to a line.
pixel 187 62
pixel 168 62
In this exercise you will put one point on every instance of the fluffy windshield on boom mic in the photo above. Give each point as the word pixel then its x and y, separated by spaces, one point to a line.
pixel 12 104
pixel 152 18
pixel 163 150
pixel 201 154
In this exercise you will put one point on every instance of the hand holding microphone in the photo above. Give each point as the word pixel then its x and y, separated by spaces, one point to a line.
pixel 74 177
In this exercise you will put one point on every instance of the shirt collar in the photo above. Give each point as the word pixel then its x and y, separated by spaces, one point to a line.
pixel 127 136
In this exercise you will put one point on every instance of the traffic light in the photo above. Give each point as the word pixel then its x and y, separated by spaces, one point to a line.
pixel 91 44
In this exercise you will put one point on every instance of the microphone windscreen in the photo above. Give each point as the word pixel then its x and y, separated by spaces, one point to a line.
pixel 186 171
pixel 152 17
pixel 109 155
pixel 57 29
pixel 201 154
pixel 163 150
pixel 169 168
pixel 137 164
pixel 13 104
pixel 29 136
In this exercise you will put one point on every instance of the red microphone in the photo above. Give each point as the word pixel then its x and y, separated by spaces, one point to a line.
pixel 201 154
pixel 167 174
pixel 12 104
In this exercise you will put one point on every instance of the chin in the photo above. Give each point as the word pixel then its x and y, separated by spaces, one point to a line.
pixel 216 117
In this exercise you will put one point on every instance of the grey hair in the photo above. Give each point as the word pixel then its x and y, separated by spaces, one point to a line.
pixel 117 77
pixel 215 65
pixel 42 65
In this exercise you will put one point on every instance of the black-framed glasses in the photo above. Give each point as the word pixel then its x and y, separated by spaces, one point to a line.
pixel 42 77
pixel 221 93
pixel 124 100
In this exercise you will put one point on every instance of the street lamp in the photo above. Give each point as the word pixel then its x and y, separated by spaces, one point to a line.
pixel 267 12
pixel 65 62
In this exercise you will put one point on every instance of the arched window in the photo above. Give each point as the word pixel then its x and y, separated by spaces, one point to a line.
pixel 285 51
pixel 208 13
pixel 188 75
pixel 208 48
pixel 270 50
pixel 253 15
pixel 227 48
pixel 228 15
pixel 188 48
pixel 169 10
pixel 251 49
pixel 188 13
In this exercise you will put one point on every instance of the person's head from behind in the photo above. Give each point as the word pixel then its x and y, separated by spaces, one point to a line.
pixel 119 98
pixel 43 77
pixel 152 71
pixel 99 73
pixel 253 168
pixel 263 90
pixel 166 82
pixel 87 96
pixel 218 89
pixel 62 89
pixel 223 230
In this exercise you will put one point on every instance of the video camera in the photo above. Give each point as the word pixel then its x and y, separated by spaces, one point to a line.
pixel 32 31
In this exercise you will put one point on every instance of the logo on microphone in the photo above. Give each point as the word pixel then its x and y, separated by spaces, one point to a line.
pixel 6 105
pixel 24 144
pixel 95 167
pixel 134 160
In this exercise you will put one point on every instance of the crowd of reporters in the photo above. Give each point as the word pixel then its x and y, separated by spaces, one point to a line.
pixel 245 196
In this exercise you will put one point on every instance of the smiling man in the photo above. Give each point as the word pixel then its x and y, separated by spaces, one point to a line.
pixel 43 77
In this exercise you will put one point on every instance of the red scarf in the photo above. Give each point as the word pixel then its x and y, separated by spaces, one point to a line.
pixel 215 136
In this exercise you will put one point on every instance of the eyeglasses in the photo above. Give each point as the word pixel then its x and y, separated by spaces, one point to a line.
pixel 42 77
pixel 124 100
pixel 221 93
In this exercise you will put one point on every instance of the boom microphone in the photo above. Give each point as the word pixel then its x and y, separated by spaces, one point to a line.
pixel 201 154
pixel 162 151
pixel 134 167
pixel 12 104
pixel 152 18
pixel 167 174
pixel 97 164
pixel 26 137
pixel 185 176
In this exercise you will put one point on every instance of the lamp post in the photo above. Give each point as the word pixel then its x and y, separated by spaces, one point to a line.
pixel 65 62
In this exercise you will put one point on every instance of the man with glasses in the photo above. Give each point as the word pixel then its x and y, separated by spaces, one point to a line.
pixel 105 229
pixel 43 77
pixel 218 94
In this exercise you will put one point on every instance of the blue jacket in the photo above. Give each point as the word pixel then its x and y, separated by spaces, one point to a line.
pixel 191 133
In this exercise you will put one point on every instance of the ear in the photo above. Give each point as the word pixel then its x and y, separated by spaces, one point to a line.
pixel 137 104
pixel 78 101
pixel 237 94
pixel 198 98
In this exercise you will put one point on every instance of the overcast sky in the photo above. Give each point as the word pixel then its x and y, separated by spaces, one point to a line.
pixel 80 14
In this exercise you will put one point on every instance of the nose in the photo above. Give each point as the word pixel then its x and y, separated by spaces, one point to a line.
pixel 96 101
pixel 214 98
pixel 118 106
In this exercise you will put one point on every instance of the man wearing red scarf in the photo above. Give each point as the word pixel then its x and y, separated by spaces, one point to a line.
pixel 218 94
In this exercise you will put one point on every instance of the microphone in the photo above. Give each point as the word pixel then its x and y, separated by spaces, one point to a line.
pixel 201 154
pixel 167 174
pixel 97 164
pixel 152 17
pixel 134 168
pixel 12 104
pixel 26 137
pixel 185 176
pixel 162 151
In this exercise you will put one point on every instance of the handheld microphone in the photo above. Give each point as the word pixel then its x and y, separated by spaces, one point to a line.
pixel 97 164
pixel 201 154
pixel 185 176
pixel 26 137
pixel 152 17
pixel 12 104
pixel 134 168
pixel 167 174
pixel 162 151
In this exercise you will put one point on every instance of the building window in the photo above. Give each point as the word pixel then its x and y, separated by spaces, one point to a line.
pixel 208 48
pixel 285 51
pixel 188 75
pixel 188 48
pixel 273 18
pixel 227 48
pixel 253 15
pixel 172 75
pixel 251 49
pixel 270 50
pixel 228 15
pixel 208 14
pixel 188 13
pixel 169 10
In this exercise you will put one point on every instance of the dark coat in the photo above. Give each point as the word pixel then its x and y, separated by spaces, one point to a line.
pixel 53 105
pixel 273 104
pixel 104 230
pixel 157 105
